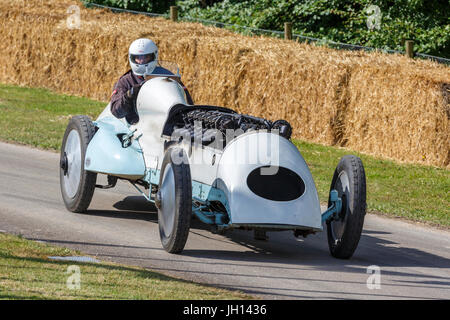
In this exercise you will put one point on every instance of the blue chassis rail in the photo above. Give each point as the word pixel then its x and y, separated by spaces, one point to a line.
pixel 203 195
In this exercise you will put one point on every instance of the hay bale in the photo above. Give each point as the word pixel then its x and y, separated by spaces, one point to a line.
pixel 385 105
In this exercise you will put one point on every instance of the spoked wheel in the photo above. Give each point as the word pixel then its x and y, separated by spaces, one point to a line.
pixel 77 184
pixel 344 231
pixel 174 200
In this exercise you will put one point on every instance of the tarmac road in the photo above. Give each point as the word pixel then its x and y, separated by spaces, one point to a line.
pixel 121 226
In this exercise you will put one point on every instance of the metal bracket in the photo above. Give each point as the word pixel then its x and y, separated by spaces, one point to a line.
pixel 149 198
pixel 334 209
pixel 126 139
pixel 112 181
pixel 209 217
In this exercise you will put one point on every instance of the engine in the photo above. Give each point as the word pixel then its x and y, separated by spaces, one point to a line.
pixel 212 125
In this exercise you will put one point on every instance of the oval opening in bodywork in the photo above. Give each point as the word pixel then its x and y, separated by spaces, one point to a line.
pixel 284 185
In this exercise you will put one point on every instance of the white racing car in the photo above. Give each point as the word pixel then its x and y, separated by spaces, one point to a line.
pixel 229 170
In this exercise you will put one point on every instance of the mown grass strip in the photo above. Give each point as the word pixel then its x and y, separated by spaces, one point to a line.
pixel 27 273
pixel 38 117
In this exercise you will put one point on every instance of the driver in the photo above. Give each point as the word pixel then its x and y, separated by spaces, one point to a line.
pixel 143 57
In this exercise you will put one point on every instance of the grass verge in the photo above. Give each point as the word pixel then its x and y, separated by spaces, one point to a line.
pixel 38 117
pixel 27 273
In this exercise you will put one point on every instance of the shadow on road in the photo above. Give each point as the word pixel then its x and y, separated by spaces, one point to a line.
pixel 135 203
pixel 131 207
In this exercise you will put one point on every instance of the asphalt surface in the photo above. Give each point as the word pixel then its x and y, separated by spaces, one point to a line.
pixel 120 226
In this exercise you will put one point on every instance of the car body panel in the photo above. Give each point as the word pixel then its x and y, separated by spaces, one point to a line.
pixel 105 153
pixel 155 99
pixel 247 208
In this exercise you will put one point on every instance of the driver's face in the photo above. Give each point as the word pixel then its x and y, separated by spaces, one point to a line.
pixel 142 59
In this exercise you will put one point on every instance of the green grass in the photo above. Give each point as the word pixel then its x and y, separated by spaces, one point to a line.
pixel 27 273
pixel 39 117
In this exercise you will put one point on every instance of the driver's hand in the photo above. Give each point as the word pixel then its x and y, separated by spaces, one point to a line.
pixel 133 92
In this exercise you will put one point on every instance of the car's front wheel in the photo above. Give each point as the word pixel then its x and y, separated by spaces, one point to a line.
pixel 344 231
pixel 174 200
pixel 77 184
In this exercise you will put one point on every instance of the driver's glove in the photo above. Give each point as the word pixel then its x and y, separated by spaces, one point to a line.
pixel 133 92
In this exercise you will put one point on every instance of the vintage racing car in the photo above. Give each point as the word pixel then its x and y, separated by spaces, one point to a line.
pixel 231 171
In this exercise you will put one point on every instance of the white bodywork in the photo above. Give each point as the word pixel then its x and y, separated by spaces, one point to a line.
pixel 155 98
pixel 247 207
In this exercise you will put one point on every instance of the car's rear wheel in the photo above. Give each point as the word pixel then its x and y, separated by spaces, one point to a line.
pixel 77 184
pixel 174 200
pixel 344 231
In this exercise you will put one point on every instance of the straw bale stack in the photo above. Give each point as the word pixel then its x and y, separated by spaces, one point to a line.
pixel 385 105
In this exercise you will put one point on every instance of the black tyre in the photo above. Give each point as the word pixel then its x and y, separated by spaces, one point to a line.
pixel 174 200
pixel 77 184
pixel 349 180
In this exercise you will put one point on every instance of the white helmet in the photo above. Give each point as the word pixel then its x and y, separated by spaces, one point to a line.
pixel 143 56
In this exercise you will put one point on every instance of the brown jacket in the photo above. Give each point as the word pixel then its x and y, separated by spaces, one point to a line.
pixel 121 104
